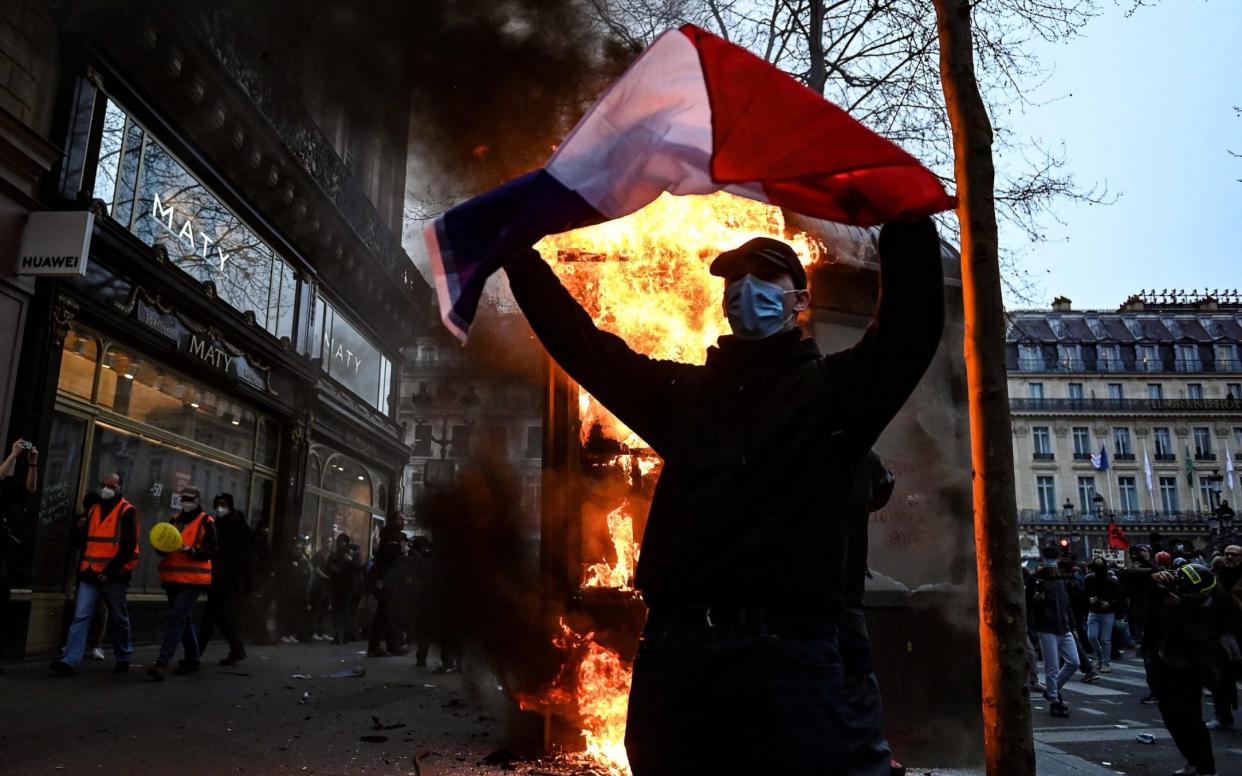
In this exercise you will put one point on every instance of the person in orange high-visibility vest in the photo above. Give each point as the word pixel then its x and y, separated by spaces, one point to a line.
pixel 185 574
pixel 109 556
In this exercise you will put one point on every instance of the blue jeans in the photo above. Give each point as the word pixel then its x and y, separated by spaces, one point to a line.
pixel 89 593
pixel 1100 631
pixel 180 624
pixel 1060 654
pixel 719 700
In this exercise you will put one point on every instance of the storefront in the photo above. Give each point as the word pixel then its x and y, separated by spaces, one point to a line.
pixel 199 347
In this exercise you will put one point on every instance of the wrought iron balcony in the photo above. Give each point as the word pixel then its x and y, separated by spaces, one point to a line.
pixel 1190 406
pixel 1044 456
pixel 1058 519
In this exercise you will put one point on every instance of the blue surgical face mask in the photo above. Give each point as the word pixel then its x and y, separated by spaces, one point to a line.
pixel 756 308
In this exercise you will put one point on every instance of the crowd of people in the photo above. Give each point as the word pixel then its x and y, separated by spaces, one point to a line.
pixel 1178 609
pixel 214 554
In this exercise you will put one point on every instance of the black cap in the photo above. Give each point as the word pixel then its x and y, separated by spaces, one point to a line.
pixel 763 250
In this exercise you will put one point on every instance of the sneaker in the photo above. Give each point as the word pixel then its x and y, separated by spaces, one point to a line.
pixel 1091 678
pixel 186 667
pixel 1150 700
pixel 1060 710
pixel 61 668
pixel 1216 724
pixel 286 640
pixel 399 651
pixel 450 667
pixel 121 667
pixel 233 658
pixel 376 653
pixel 95 654
pixel 1189 770
pixel 156 672
pixel 1106 669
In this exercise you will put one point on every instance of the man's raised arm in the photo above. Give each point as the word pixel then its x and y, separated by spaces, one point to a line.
pixel 873 379
pixel 629 384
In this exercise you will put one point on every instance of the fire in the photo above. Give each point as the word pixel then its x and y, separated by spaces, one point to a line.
pixel 594 686
pixel 620 575
pixel 645 278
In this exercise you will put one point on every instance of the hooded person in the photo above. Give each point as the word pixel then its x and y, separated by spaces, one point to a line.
pixel 743 556
pixel 232 577
pixel 1104 598
pixel 185 574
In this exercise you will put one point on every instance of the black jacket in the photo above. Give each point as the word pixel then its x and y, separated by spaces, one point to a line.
pixel 233 566
pixel 761 443
pixel 1106 591
pixel 1048 607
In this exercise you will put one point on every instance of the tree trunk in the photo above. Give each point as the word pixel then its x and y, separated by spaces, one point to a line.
pixel 1002 621
pixel 817 76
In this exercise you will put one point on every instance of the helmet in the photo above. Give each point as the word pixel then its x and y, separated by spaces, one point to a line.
pixel 1194 580
pixel 1164 559
pixel 1179 562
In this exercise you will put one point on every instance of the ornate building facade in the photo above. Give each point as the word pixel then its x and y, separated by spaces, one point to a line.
pixel 1131 415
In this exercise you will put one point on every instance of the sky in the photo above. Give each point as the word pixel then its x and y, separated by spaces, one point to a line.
pixel 1146 106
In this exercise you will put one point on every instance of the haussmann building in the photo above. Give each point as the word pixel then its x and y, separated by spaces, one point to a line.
pixel 245 297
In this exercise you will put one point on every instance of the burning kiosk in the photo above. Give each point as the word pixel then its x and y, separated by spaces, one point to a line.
pixel 645 278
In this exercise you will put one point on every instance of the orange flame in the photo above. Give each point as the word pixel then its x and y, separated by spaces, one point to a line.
pixel 619 575
pixel 645 277
pixel 600 685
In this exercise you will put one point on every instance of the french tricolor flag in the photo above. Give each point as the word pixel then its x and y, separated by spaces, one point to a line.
pixel 694 114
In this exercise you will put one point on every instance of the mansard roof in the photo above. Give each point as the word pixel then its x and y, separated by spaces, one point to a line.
pixel 1160 327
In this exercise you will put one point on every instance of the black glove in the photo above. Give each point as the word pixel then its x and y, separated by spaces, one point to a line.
pixel 909 241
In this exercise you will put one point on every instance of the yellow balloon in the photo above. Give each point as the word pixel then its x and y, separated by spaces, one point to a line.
pixel 165 537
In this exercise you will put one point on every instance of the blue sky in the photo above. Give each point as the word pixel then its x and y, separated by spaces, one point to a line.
pixel 1146 106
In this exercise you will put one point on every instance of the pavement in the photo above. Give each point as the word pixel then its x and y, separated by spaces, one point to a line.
pixel 1105 720
pixel 282 712
pixel 278 712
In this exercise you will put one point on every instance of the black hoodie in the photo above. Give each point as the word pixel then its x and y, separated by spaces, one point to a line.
pixel 761 443
pixel 232 567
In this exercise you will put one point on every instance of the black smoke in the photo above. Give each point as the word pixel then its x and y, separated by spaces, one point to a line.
pixel 497 84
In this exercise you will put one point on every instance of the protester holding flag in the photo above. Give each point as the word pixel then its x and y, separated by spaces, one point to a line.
pixel 746 535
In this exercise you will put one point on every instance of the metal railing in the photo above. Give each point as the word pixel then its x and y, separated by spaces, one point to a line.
pixel 1126 405
pixel 1037 517
pixel 1049 456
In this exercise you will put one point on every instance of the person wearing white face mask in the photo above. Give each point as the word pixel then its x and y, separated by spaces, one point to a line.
pixel 743 557
pixel 109 556
pixel 185 574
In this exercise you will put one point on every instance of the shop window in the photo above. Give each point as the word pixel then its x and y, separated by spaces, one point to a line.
pixel 154 196
pixel 59 507
pixel 262 498
pixel 144 390
pixel 77 363
pixel 345 499
pixel 153 473
pixel 349 358
pixel 347 478
pixel 268 444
